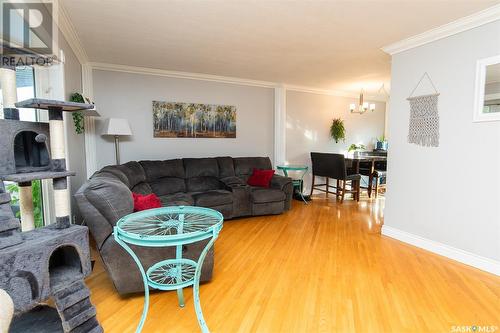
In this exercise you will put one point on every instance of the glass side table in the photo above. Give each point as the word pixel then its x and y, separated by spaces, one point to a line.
pixel 170 226
pixel 297 182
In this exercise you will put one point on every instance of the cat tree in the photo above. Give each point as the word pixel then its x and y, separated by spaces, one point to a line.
pixel 52 261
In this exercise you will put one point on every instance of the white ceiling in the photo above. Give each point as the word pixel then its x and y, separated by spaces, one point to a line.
pixel 321 44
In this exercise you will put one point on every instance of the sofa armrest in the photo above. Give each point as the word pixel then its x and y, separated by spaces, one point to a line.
pixel 280 182
pixel 102 202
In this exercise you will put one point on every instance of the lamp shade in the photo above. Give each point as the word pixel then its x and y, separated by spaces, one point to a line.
pixel 117 126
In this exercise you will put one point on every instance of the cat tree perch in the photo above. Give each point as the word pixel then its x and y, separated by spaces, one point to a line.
pixel 29 159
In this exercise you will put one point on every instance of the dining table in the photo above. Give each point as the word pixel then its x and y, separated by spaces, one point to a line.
pixel 355 160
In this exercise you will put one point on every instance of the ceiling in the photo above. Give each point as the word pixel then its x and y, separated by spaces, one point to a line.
pixel 319 44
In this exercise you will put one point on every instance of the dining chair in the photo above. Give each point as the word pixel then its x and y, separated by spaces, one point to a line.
pixel 333 166
pixel 379 174
pixel 375 174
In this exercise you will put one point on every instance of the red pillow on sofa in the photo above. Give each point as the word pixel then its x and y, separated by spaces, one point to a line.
pixel 260 178
pixel 143 202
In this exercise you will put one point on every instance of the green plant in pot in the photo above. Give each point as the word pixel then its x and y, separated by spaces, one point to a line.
pixel 381 143
pixel 78 115
pixel 356 147
pixel 337 130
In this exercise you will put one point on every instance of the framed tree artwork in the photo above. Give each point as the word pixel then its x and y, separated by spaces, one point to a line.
pixel 191 120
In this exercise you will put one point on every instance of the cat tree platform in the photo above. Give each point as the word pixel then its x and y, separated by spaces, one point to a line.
pixel 48 104
pixel 30 176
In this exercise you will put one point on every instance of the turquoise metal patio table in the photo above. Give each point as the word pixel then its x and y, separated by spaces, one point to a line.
pixel 298 182
pixel 170 226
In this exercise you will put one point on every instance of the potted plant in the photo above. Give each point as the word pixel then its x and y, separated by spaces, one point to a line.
pixel 78 115
pixel 381 143
pixel 337 130
pixel 356 147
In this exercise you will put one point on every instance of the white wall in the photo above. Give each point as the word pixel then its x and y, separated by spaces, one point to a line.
pixel 130 96
pixel 76 142
pixel 308 120
pixel 450 194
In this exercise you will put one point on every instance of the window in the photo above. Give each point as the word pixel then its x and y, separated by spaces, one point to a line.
pixel 25 83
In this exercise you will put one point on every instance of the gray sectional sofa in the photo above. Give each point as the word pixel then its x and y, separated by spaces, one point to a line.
pixel 218 183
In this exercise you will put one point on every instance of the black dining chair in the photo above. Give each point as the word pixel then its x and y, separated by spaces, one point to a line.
pixel 333 166
pixel 376 174
pixel 379 175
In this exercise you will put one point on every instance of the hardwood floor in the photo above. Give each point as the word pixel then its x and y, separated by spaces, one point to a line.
pixel 323 267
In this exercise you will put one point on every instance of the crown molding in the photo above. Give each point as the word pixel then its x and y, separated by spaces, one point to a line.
pixel 318 91
pixel 486 16
pixel 69 33
pixel 181 75
pixel 337 93
pixel 223 79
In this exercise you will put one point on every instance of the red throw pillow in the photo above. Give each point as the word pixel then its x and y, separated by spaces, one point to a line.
pixel 143 202
pixel 260 178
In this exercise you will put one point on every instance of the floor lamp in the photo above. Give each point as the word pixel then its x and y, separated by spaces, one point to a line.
pixel 117 127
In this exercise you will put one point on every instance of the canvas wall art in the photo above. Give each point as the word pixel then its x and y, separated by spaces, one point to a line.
pixel 190 120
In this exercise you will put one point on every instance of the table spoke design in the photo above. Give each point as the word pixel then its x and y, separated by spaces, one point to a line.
pixel 168 224
pixel 172 272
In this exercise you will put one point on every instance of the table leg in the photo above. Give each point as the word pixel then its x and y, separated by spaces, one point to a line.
pixel 370 179
pixel 301 187
pixel 196 285
pixel 144 279
pixel 178 255
pixel 356 184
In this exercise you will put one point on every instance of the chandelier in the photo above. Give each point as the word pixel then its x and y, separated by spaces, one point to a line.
pixel 363 106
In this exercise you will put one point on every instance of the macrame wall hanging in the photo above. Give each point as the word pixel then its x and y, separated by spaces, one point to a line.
pixel 424 117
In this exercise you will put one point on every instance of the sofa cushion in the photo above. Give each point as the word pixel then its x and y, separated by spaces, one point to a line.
pixel 268 208
pixel 213 198
pixel 226 166
pixel 200 184
pixel 177 199
pixel 201 167
pixel 233 181
pixel 245 165
pixel 134 172
pixel 116 172
pixel 142 188
pixel 167 185
pixel 112 198
pixel 159 169
pixel 263 195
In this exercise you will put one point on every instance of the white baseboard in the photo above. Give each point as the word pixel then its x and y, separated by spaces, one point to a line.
pixel 482 263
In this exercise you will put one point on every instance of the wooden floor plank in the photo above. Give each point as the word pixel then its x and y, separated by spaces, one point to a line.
pixel 322 267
